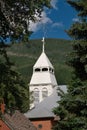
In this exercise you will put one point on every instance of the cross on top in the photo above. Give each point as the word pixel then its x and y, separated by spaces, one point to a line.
pixel 43 40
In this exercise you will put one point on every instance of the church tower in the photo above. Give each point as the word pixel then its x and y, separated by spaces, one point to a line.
pixel 43 78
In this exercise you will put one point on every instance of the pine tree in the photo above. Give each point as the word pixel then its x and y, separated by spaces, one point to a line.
pixel 13 90
pixel 72 109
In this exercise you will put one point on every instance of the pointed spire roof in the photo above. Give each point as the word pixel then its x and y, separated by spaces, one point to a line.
pixel 43 60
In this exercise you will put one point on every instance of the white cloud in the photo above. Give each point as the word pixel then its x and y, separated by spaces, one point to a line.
pixel 58 24
pixel 75 19
pixel 54 4
pixel 45 19
pixel 34 26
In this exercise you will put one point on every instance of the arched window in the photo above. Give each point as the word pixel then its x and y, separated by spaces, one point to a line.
pixel 37 70
pixel 36 95
pixel 44 93
pixel 44 69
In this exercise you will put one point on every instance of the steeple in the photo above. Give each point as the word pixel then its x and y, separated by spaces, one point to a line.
pixel 43 78
pixel 43 60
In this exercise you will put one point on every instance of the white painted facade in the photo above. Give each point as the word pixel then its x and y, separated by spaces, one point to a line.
pixel 43 78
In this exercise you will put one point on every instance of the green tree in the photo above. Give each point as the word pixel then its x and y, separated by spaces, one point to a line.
pixel 13 90
pixel 72 109
pixel 15 17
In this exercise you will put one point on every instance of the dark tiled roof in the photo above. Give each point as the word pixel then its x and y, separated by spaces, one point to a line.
pixel 18 121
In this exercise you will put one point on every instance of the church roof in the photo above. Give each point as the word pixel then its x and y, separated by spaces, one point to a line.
pixel 45 108
pixel 43 61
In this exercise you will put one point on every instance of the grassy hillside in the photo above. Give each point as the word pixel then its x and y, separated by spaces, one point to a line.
pixel 25 55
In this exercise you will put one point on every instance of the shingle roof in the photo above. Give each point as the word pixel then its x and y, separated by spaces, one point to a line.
pixel 44 109
pixel 18 121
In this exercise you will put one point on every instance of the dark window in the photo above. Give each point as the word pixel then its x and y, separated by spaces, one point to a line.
pixel 37 70
pixel 45 69
pixel 40 126
pixel 50 69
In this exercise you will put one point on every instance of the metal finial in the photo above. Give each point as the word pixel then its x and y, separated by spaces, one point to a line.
pixel 43 40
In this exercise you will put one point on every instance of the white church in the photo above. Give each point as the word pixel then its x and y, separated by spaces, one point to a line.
pixel 44 88
pixel 43 79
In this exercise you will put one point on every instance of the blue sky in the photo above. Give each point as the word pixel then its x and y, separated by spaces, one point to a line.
pixel 54 21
